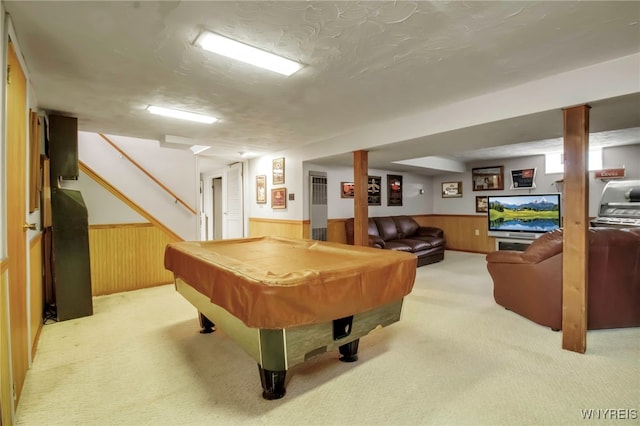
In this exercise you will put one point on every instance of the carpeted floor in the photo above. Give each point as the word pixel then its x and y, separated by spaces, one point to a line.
pixel 455 358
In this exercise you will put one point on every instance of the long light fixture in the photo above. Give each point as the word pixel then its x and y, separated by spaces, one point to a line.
pixel 243 52
pixel 183 115
pixel 197 149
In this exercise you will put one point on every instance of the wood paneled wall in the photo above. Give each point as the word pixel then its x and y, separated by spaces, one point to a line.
pixel 36 290
pixel 336 231
pixel 259 227
pixel 459 230
pixel 6 397
pixel 127 257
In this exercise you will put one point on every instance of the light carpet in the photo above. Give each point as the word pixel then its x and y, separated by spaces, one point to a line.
pixel 455 358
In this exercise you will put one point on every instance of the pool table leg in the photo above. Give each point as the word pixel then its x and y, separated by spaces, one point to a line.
pixel 206 324
pixel 272 383
pixel 349 351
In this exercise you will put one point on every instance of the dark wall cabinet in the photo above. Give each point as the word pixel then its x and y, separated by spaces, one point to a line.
pixel 63 147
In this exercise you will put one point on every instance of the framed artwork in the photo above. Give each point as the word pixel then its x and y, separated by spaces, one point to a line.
pixel 452 189
pixel 279 198
pixel 278 171
pixel 347 190
pixel 482 204
pixel 523 178
pixel 488 178
pixel 394 190
pixel 261 189
pixel 374 190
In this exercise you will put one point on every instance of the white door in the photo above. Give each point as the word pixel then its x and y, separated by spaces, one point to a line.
pixel 217 208
pixel 232 220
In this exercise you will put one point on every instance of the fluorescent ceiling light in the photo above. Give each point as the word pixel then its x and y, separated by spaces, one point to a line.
pixel 183 115
pixel 243 52
pixel 197 149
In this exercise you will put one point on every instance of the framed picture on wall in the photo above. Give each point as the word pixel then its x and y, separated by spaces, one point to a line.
pixel 482 204
pixel 488 178
pixel 452 189
pixel 523 178
pixel 261 189
pixel 394 190
pixel 374 190
pixel 278 171
pixel 347 190
pixel 279 198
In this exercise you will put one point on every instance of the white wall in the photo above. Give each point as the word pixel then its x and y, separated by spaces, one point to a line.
pixel 103 207
pixel 627 156
pixel 412 201
pixel 297 182
pixel 431 202
pixel 176 169
pixel 294 182
pixel 466 204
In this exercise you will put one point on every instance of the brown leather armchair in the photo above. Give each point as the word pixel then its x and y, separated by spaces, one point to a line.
pixel 530 282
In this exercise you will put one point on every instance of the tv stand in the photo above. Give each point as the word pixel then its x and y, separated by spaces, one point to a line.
pixel 518 244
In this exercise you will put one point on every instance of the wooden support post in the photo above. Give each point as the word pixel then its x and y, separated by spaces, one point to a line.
pixel 360 202
pixel 575 264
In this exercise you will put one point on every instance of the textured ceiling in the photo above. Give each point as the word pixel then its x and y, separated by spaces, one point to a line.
pixel 365 62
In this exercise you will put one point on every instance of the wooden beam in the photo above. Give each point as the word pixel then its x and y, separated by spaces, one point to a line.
pixel 361 201
pixel 576 226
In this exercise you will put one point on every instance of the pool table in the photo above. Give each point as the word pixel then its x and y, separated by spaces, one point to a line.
pixel 285 300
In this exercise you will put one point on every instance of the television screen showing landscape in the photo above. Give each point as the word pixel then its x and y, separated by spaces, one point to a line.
pixel 525 213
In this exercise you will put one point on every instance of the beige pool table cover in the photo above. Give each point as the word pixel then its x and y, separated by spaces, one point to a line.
pixel 274 282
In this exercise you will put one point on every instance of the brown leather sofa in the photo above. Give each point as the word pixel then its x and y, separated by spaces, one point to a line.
pixel 530 282
pixel 403 233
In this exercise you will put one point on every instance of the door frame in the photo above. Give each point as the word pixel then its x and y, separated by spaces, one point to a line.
pixel 206 209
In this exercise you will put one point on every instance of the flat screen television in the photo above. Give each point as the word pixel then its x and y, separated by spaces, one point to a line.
pixel 523 216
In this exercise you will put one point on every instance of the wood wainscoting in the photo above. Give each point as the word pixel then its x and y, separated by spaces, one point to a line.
pixel 260 227
pixel 36 291
pixel 460 231
pixel 6 385
pixel 336 231
pixel 127 257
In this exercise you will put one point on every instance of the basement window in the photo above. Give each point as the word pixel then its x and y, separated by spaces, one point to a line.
pixel 554 161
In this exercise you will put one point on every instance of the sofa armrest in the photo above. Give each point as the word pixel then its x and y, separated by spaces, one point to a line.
pixel 429 231
pixel 508 256
pixel 376 241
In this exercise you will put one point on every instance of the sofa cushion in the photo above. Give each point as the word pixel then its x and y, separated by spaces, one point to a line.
pixel 398 246
pixel 386 228
pixel 431 241
pixel 406 226
pixel 429 231
pixel 373 228
pixel 415 245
